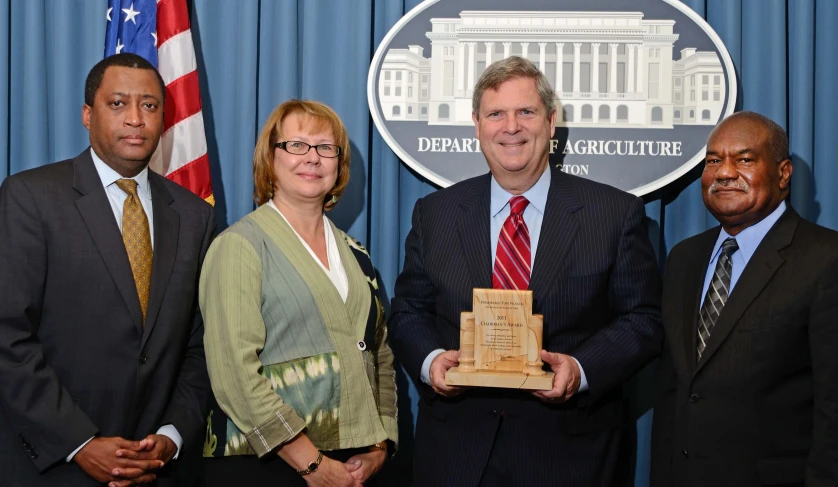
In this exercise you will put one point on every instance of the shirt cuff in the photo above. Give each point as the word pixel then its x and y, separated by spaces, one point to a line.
pixel 583 382
pixel 71 455
pixel 170 431
pixel 425 373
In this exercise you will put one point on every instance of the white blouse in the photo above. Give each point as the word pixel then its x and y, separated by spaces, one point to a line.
pixel 336 272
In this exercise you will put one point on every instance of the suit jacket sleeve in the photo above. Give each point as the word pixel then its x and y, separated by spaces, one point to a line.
pixel 413 333
pixel 189 406
pixel 634 336
pixel 49 423
pixel 822 467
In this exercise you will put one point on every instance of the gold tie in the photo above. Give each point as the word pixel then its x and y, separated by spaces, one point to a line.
pixel 137 239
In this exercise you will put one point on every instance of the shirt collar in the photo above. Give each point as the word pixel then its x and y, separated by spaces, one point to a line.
pixel 109 176
pixel 750 238
pixel 536 195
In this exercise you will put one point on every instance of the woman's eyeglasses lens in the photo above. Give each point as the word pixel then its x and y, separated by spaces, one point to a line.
pixel 300 148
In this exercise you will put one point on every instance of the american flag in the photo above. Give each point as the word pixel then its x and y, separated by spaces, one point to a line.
pixel 159 31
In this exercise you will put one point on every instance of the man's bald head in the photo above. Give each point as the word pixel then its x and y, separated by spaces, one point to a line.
pixel 778 140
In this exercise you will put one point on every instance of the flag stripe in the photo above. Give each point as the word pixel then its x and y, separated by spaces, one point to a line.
pixel 182 144
pixel 183 100
pixel 195 176
pixel 177 57
pixel 172 19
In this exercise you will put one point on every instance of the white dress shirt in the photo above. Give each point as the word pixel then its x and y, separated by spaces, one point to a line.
pixel 336 272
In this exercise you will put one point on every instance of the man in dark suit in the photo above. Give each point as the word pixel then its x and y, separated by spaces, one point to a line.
pixel 750 309
pixel 102 368
pixel 593 276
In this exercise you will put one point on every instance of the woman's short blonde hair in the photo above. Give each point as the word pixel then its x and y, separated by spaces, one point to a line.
pixel 319 118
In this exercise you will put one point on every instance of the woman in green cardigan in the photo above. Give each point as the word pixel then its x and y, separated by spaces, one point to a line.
pixel 296 341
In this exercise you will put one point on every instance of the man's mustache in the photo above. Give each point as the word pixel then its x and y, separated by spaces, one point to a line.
pixel 730 184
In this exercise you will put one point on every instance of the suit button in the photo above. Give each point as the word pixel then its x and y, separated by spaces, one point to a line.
pixel 143 359
pixel 685 453
pixel 694 398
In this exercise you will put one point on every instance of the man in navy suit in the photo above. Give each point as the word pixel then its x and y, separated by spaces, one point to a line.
pixel 581 247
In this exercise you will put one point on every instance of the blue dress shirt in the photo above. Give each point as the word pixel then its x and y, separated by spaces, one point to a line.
pixel 748 241
pixel 117 197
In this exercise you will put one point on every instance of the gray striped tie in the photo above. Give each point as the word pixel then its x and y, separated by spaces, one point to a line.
pixel 717 294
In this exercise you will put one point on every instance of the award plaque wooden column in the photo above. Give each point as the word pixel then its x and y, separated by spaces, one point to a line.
pixel 500 343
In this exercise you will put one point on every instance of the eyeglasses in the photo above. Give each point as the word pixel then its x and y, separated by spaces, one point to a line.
pixel 299 148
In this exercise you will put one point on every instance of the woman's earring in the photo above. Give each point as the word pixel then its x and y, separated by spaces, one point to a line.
pixel 334 198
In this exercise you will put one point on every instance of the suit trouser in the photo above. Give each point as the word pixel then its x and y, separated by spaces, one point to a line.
pixel 500 473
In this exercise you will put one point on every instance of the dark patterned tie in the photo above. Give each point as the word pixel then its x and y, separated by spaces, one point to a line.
pixel 512 262
pixel 717 294
pixel 137 239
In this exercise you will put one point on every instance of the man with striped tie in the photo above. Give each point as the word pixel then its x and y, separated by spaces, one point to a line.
pixel 750 308
pixel 581 247
pixel 102 367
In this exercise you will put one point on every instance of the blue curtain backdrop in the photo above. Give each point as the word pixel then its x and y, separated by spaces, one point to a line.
pixel 254 54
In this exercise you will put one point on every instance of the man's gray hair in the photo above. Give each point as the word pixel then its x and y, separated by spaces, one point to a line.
pixel 507 69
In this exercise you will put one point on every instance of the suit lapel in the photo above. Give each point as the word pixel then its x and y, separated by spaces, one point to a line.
pixel 558 230
pixel 691 282
pixel 166 226
pixel 473 230
pixel 759 270
pixel 95 210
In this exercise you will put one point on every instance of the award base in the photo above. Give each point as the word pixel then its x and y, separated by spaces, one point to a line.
pixel 504 380
pixel 500 342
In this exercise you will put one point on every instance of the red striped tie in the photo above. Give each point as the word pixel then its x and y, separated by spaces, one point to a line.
pixel 512 262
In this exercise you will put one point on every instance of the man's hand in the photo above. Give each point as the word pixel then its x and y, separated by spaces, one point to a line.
pixel 99 459
pixel 158 448
pixel 152 447
pixel 565 382
pixel 362 467
pixel 439 366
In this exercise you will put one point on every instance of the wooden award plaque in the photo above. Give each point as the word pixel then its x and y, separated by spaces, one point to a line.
pixel 500 343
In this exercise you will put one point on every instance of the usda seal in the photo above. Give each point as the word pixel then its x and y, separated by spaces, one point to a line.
pixel 639 85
